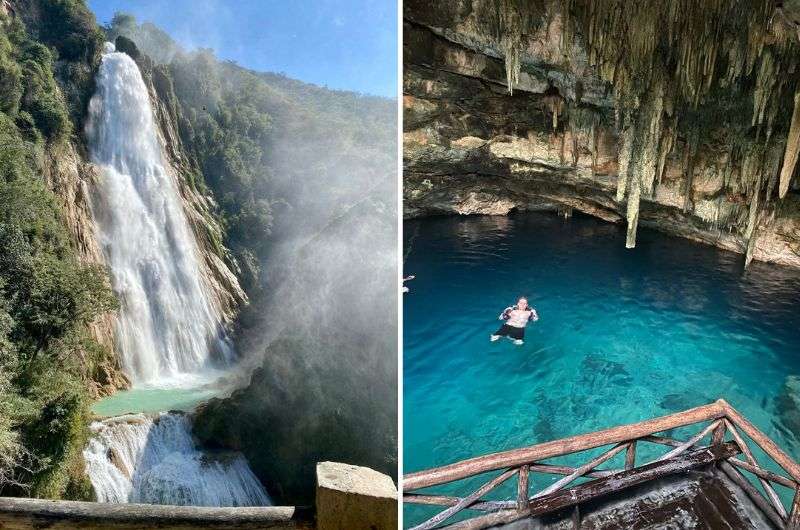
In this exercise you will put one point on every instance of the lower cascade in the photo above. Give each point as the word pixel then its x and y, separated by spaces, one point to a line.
pixel 154 460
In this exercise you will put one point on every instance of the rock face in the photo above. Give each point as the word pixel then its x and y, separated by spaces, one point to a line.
pixel 70 176
pixel 470 147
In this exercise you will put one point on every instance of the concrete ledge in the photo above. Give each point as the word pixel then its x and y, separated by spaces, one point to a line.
pixel 25 514
pixel 353 497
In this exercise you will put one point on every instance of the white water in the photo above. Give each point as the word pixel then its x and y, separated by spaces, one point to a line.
pixel 168 332
pixel 138 459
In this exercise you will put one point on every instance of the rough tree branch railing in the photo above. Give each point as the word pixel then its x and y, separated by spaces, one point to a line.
pixel 681 456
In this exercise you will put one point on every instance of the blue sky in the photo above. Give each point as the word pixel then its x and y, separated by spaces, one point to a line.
pixel 342 44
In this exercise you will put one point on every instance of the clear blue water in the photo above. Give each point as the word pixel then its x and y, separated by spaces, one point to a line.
pixel 624 335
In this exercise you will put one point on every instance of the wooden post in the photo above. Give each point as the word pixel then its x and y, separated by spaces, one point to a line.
pixel 794 517
pixel 522 488
pixel 630 456
pixel 576 517
pixel 719 434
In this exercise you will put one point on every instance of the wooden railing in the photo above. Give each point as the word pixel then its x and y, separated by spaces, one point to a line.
pixel 723 421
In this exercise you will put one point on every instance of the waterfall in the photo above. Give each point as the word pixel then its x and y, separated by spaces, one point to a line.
pixel 168 331
pixel 137 458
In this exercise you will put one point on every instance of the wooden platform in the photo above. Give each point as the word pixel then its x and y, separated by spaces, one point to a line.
pixel 716 483
pixel 701 499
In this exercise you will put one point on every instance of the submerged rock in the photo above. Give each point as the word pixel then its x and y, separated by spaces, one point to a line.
pixel 787 404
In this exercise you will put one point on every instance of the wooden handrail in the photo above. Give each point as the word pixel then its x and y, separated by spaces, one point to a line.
pixel 722 418
pixel 573 444
pixel 762 440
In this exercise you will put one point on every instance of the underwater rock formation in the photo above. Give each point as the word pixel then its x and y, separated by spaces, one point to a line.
pixel 670 135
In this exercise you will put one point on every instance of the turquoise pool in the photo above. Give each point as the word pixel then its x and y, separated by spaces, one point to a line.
pixel 624 335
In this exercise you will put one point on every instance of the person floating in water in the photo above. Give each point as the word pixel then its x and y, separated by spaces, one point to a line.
pixel 516 318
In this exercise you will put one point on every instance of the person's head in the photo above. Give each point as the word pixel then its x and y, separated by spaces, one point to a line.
pixel 522 303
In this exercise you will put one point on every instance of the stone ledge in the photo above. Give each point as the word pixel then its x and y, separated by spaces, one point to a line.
pixel 353 497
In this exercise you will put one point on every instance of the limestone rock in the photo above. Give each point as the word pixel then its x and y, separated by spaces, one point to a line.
pixel 472 148
pixel 351 497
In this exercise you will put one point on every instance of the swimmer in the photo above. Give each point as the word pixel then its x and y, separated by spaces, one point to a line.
pixel 407 278
pixel 516 317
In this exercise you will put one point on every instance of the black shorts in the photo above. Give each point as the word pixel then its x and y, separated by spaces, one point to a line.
pixel 511 331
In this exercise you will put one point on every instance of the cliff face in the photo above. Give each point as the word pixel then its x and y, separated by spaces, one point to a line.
pixel 471 147
pixel 70 176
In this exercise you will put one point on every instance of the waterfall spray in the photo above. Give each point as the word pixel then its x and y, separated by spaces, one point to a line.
pixel 168 331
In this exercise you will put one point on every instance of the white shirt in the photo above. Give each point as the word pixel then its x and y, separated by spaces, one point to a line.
pixel 517 317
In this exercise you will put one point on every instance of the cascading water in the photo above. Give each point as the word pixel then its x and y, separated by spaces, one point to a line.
pixel 168 329
pixel 137 458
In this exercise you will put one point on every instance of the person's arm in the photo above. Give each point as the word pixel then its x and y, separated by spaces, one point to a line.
pixel 505 314
pixel 534 315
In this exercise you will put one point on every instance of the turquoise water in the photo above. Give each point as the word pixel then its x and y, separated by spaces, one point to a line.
pixel 149 400
pixel 624 335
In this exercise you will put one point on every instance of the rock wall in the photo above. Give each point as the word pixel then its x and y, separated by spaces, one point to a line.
pixel 470 147
pixel 70 177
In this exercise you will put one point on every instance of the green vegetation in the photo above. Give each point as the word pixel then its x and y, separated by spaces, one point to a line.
pixel 47 297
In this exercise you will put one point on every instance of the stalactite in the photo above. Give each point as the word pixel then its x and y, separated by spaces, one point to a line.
pixel 632 215
pixel 717 72
pixel 691 152
pixel 751 233
pixel 792 149
pixel 624 157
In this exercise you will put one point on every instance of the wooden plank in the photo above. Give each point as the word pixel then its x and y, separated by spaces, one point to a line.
pixel 20 513
pixel 608 455
pixel 573 444
pixel 567 470
pixel 466 501
pixel 690 442
pixel 565 498
pixel 753 493
pixel 447 500
pixel 630 456
pixel 763 473
pixel 771 495
pixel 762 440
pixel 662 440
pixel 522 487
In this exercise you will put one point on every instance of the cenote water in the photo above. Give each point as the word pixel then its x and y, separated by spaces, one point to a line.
pixel 624 335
